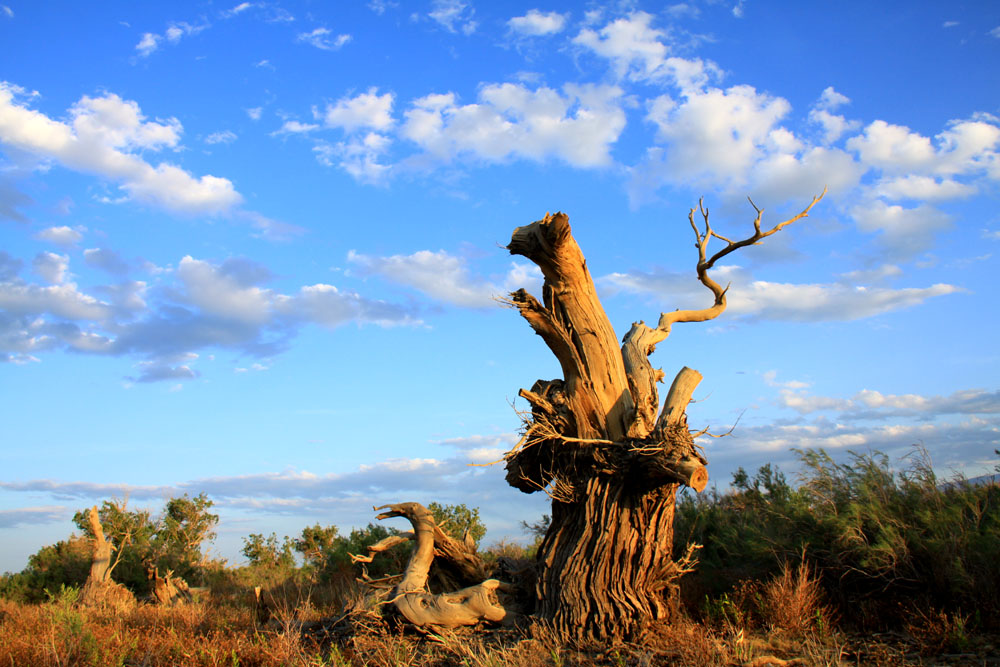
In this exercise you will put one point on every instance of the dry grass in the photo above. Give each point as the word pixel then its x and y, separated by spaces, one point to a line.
pixel 60 633
pixel 793 601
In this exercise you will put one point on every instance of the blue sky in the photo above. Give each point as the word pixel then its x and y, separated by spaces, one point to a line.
pixel 253 249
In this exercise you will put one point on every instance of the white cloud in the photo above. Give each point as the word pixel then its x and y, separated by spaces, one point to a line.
pixel 903 232
pixel 965 147
pixel 177 30
pixel 147 44
pixel 996 32
pixel 208 305
pixel 782 177
pixel 359 156
pixel 379 6
pixel 869 404
pixel 876 275
pixel 825 302
pixel 102 138
pixel 683 9
pixel 166 369
pixel 454 15
pixel 348 495
pixel 834 127
pixel 150 42
pixel 237 9
pixel 447 278
pixel 64 301
pixel 223 137
pixel 758 299
pixel 578 126
pixel 536 23
pixel 255 113
pixel 639 52
pixel 437 274
pixel 32 516
pixel 367 110
pixel 62 235
pixel 925 188
pixel 223 293
pixel 715 136
pixel 831 99
pixel 294 127
pixel 51 267
pixel 893 147
pixel 322 39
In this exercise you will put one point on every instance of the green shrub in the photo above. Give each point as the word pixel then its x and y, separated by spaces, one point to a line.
pixel 877 537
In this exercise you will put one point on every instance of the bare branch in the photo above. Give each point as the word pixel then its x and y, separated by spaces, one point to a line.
pixel 706 263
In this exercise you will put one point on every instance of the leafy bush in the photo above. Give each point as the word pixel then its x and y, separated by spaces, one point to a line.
pixel 876 536
pixel 52 568
pixel 458 521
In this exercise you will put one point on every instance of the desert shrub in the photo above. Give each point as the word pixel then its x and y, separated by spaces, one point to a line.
pixel 268 553
pixel 793 601
pixel 57 566
pixel 458 521
pixel 874 535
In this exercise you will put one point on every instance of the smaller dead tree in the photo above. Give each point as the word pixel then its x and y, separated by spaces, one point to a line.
pixel 454 562
pixel 168 589
pixel 99 589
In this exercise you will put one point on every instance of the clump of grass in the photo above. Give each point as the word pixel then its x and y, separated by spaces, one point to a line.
pixel 792 601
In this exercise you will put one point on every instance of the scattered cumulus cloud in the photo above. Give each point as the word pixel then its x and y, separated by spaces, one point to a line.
pixel 437 274
pixel 51 267
pixel 147 44
pixel 902 232
pixel 205 305
pixel 294 127
pixel 869 404
pixel 349 495
pixel 454 16
pixel 640 52
pixel 109 137
pixel 537 24
pixel 33 516
pixel 150 42
pixel 365 120
pixel 237 9
pixel 578 125
pixel 222 137
pixel 323 39
pixel 758 299
pixel 368 110
pixel 61 235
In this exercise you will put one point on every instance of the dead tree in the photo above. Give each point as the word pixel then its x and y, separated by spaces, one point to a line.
pixel 597 442
pixel 167 590
pixel 100 589
pixel 456 565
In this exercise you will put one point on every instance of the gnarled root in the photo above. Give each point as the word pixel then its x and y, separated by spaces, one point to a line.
pixel 411 596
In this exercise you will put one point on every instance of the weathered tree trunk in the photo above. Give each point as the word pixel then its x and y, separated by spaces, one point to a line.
pixel 100 567
pixel 412 596
pixel 595 444
pixel 99 589
pixel 168 590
